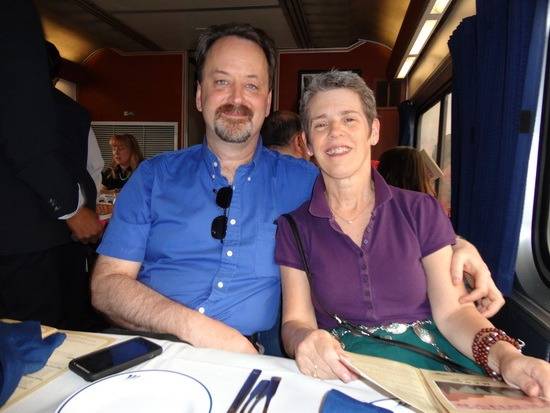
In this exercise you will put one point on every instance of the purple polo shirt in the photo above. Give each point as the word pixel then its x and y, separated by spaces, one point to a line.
pixel 382 281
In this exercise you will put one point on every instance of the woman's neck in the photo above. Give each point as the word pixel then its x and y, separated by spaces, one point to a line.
pixel 349 194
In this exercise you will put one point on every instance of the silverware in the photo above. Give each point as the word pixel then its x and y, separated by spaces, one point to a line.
pixel 428 338
pixel 245 388
pixel 256 395
pixel 272 389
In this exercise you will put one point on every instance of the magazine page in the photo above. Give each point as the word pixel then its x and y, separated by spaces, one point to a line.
pixel 433 169
pixel 462 393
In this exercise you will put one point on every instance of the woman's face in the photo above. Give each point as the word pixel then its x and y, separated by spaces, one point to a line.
pixel 339 133
pixel 121 154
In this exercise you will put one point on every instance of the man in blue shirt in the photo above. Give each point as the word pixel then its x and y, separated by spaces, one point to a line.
pixel 189 249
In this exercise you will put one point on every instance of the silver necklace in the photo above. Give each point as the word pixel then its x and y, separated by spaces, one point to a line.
pixel 349 221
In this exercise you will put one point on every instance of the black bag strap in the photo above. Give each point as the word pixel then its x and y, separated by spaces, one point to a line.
pixel 354 329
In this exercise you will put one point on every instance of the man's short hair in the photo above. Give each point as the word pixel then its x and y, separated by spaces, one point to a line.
pixel 337 79
pixel 280 127
pixel 54 60
pixel 242 30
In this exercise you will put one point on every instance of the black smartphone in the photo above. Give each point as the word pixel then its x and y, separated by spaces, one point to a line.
pixel 114 359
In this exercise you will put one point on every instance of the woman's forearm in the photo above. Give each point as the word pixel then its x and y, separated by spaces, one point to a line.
pixel 293 333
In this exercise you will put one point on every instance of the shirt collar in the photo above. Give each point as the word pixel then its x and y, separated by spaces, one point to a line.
pixel 213 164
pixel 318 205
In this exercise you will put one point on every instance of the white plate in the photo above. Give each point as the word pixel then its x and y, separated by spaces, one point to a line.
pixel 141 391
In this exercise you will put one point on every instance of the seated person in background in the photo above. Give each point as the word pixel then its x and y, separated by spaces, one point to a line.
pixel 377 254
pixel 282 132
pixel 126 157
pixel 404 167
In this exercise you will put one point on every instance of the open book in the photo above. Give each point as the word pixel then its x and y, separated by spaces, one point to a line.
pixel 434 391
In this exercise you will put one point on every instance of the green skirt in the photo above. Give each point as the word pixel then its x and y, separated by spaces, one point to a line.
pixel 372 347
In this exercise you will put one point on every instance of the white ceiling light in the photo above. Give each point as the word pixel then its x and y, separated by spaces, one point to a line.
pixel 439 6
pixel 432 14
pixel 423 36
pixel 407 64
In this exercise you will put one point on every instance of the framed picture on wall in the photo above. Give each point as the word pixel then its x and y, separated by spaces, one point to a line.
pixel 304 77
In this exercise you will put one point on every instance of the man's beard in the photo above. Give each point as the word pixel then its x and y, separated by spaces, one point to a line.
pixel 233 130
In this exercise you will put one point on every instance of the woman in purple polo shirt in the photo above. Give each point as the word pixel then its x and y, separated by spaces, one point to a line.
pixel 378 256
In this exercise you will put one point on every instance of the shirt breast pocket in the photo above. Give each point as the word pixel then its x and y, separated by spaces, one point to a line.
pixel 264 251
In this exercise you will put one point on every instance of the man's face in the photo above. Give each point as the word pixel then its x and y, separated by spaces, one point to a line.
pixel 234 95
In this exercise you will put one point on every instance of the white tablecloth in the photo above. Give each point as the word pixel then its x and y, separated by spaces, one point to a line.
pixel 222 373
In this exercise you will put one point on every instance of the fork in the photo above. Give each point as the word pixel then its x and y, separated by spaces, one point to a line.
pixel 270 392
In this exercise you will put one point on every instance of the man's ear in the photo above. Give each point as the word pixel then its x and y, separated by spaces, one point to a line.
pixel 374 132
pixel 198 95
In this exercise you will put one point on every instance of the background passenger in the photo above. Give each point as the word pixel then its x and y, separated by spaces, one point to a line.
pixel 378 255
pixel 127 156
pixel 282 132
pixel 404 167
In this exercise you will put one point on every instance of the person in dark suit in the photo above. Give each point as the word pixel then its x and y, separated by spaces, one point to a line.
pixel 43 204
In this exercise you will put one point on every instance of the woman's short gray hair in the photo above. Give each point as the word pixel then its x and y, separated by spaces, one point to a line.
pixel 338 79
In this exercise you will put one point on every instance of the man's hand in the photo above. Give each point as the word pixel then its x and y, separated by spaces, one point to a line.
pixel 85 225
pixel 466 259
pixel 211 333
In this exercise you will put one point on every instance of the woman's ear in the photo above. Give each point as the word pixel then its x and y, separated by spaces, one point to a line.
pixel 307 146
pixel 374 132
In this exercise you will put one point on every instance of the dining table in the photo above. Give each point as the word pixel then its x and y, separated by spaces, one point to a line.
pixel 220 374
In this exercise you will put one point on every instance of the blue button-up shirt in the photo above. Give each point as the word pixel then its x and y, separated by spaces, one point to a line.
pixel 162 218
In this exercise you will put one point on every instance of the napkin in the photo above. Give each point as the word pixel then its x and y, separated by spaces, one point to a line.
pixel 22 351
pixel 335 402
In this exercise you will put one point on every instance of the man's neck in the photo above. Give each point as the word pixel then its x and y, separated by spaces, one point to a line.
pixel 232 155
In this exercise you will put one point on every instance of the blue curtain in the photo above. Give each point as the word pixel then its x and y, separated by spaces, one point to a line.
pixel 407 117
pixel 490 52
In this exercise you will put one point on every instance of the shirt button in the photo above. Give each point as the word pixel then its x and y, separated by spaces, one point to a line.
pixel 201 310
pixel 213 176
pixel 215 164
pixel 220 284
pixel 249 179
pixel 229 253
pixel 366 241
pixel 233 221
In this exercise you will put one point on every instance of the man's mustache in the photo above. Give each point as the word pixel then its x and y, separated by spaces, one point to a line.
pixel 239 110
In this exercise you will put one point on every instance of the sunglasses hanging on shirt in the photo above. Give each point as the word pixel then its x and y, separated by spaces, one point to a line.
pixel 219 224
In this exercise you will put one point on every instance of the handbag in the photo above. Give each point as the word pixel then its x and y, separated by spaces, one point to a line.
pixel 405 347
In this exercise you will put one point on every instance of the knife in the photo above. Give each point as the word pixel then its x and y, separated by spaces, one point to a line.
pixel 246 387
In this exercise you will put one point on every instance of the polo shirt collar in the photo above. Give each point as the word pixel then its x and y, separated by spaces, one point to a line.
pixel 318 205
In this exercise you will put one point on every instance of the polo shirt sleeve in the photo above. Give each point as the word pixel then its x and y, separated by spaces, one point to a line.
pixel 434 229
pixel 128 229
pixel 286 250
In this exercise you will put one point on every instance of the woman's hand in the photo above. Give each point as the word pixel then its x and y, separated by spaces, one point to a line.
pixel 528 373
pixel 319 354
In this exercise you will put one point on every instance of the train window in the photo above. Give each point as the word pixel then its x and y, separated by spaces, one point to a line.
pixel 533 260
pixel 428 137
pixel 434 136
pixel 444 184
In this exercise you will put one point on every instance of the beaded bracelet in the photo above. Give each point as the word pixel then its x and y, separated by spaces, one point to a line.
pixel 484 340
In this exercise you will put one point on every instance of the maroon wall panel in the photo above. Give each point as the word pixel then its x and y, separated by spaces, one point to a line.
pixel 149 85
